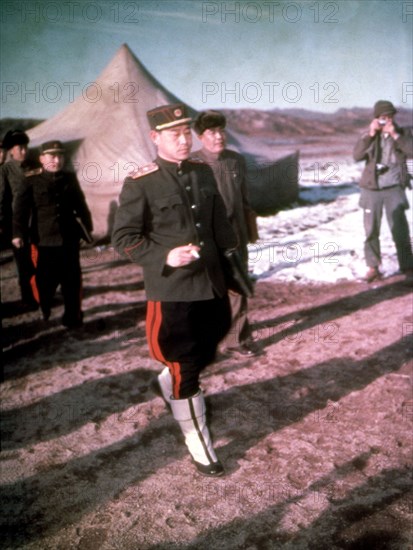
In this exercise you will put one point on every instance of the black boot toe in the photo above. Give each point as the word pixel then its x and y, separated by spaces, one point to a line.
pixel 211 470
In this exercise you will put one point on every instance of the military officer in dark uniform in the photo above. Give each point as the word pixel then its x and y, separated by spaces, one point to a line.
pixel 171 220
pixel 52 202
pixel 12 182
pixel 230 174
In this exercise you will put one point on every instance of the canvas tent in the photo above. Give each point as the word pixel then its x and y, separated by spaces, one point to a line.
pixel 107 134
pixel 107 131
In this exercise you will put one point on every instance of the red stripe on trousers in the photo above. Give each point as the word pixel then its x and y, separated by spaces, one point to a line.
pixel 34 254
pixel 153 325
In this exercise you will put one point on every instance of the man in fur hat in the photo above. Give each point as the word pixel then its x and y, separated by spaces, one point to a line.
pixel 12 182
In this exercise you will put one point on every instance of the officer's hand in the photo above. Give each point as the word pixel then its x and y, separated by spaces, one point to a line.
pixel 17 242
pixel 182 255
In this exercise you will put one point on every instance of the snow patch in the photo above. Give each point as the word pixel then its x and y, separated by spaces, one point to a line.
pixel 321 239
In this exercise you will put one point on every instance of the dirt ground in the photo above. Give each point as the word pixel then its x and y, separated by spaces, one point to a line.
pixel 315 434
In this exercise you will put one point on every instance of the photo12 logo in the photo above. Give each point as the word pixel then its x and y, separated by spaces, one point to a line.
pixel 269 92
pixel 53 92
pixel 70 12
pixel 270 12
pixel 407 12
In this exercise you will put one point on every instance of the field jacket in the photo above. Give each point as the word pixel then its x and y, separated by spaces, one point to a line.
pixel 230 174
pixel 12 183
pixel 367 149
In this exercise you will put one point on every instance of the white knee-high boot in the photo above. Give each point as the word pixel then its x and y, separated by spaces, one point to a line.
pixel 165 384
pixel 191 415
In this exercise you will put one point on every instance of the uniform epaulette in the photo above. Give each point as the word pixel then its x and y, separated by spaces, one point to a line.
pixel 196 160
pixel 145 170
pixel 34 172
